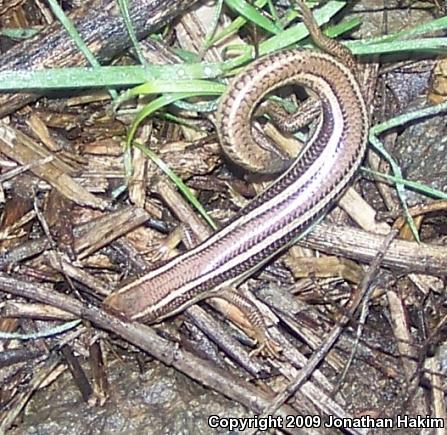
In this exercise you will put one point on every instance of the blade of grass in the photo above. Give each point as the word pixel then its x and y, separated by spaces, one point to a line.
pixel 289 36
pixel 152 107
pixel 413 185
pixel 124 8
pixel 183 188
pixel 235 25
pixel 74 34
pixel 250 13
pixel 378 145
pixel 213 26
pixel 105 76
pixel 201 87
pixel 20 33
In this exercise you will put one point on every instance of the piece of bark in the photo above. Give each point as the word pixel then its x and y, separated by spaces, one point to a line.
pixel 25 150
pixel 403 256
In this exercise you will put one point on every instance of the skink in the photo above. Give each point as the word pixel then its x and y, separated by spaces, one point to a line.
pixel 289 205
